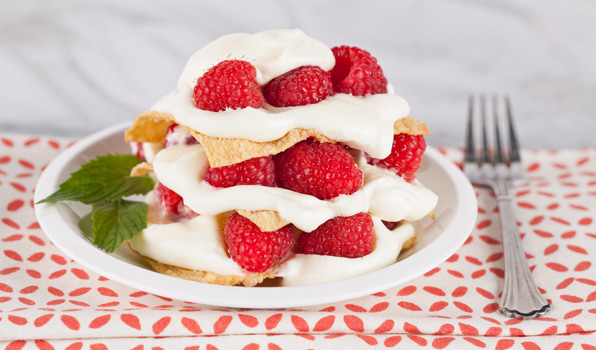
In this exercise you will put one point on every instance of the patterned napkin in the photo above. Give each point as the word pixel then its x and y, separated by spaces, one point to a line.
pixel 48 301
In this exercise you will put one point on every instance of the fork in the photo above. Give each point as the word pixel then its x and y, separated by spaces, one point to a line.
pixel 499 167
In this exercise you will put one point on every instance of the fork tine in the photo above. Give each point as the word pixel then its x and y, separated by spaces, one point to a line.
pixel 514 156
pixel 485 151
pixel 499 156
pixel 470 156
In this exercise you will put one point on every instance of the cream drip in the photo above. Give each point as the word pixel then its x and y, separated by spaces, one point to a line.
pixel 199 245
pixel 383 193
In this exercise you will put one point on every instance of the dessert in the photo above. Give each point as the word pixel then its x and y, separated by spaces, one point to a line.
pixel 278 157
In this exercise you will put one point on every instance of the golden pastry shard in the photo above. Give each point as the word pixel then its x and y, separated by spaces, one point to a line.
pixel 266 220
pixel 141 169
pixel 208 276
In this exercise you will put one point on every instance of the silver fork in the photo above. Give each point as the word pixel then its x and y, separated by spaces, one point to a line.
pixel 500 168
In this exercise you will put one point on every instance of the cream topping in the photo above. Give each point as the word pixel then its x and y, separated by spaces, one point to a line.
pixel 369 118
pixel 199 245
pixel 383 194
pixel 359 122
pixel 272 53
pixel 302 269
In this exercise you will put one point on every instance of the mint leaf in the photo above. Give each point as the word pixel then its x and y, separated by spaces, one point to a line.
pixel 86 227
pixel 116 222
pixel 105 178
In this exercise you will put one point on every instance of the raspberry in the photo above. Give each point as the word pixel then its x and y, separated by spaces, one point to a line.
pixel 391 225
pixel 356 72
pixel 172 203
pixel 299 87
pixel 137 149
pixel 229 84
pixel 406 155
pixel 253 249
pixel 176 135
pixel 323 170
pixel 255 171
pixel 345 236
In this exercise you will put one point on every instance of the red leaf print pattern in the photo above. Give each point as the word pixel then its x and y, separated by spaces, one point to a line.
pixel 556 267
pixel 446 329
pixel 161 325
pixel 131 321
pixel 462 306
pixel 385 327
pixel 354 323
pixel 582 266
pixel 438 306
pixel 248 320
pixel 5 288
pixel 368 339
pixel 107 292
pixel 42 320
pixel 410 328
pixel 379 307
pixel 299 323
pixel 70 322
pixel 503 344
pixel 407 291
pixel 442 343
pixel 100 321
pixel 191 325
pixel 272 321
pixel 434 290
pixel 355 308
pixel 392 341
pixel 324 324
pixel 222 324
pixel 418 340
pixel 80 274
pixel 409 306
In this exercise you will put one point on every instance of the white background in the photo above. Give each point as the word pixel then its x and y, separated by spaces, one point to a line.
pixel 74 67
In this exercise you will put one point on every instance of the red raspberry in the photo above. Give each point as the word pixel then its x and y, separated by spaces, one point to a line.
pixel 253 249
pixel 406 156
pixel 137 149
pixel 391 225
pixel 229 84
pixel 176 135
pixel 323 170
pixel 356 72
pixel 255 171
pixel 299 87
pixel 172 203
pixel 345 236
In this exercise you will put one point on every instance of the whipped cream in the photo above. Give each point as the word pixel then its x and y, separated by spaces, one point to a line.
pixel 369 118
pixel 199 245
pixel 150 150
pixel 272 53
pixel 383 194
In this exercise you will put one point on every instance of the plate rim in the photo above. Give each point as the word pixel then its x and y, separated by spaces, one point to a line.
pixel 89 256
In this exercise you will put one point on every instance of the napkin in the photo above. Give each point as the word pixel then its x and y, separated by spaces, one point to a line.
pixel 49 301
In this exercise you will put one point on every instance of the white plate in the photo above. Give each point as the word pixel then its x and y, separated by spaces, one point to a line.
pixel 455 219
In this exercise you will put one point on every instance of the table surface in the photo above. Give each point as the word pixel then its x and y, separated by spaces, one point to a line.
pixel 71 68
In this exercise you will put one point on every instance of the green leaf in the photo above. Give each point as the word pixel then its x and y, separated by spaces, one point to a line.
pixel 116 222
pixel 86 227
pixel 105 178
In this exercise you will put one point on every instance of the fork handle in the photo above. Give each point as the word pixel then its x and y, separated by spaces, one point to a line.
pixel 521 297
